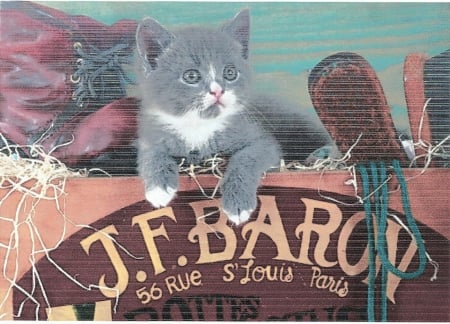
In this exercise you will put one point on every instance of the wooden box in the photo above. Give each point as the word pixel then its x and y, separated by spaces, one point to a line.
pixel 101 252
pixel 95 249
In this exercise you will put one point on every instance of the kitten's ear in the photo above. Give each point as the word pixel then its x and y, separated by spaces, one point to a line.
pixel 151 40
pixel 239 29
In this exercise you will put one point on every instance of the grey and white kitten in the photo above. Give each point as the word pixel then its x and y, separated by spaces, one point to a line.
pixel 196 101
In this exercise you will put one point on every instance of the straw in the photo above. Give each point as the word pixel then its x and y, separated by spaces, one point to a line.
pixel 36 178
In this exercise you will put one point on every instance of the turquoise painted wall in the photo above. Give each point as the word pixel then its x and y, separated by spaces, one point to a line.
pixel 288 39
pixel 294 36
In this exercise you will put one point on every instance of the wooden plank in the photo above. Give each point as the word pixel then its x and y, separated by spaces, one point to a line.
pixel 88 200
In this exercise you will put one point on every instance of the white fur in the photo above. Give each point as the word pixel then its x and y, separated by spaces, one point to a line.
pixel 196 131
pixel 160 197
pixel 212 72
pixel 239 219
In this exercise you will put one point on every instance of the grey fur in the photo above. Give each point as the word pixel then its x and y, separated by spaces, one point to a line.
pixel 250 135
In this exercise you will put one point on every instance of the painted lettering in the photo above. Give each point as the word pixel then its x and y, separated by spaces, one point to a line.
pixel 103 236
pixel 229 274
pixel 183 282
pixel 202 232
pixel 215 307
pixel 323 231
pixel 392 233
pixel 320 224
pixel 322 281
pixel 149 234
pixel 273 229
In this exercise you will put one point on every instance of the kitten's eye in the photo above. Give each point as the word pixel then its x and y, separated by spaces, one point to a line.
pixel 230 73
pixel 192 76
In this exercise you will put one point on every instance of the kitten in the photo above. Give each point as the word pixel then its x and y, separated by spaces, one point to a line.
pixel 196 101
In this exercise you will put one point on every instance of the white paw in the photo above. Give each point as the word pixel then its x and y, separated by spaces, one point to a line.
pixel 240 218
pixel 160 197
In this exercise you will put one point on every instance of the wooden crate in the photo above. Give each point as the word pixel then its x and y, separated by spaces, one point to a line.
pixel 302 255
pixel 101 252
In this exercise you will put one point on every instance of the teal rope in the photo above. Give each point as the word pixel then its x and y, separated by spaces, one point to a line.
pixel 381 199
pixel 382 245
pixel 384 201
pixel 378 179
pixel 371 245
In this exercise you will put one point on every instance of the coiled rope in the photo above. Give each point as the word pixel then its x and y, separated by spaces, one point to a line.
pixel 374 183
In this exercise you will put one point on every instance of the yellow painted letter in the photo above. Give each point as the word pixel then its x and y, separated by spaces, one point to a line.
pixel 149 234
pixel 274 230
pixel 324 231
pixel 203 231
pixel 116 260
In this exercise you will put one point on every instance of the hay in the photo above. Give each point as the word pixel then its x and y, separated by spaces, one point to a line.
pixel 41 177
pixel 432 151
pixel 214 166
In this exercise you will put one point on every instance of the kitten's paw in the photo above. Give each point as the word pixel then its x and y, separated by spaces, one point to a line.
pixel 238 203
pixel 160 197
pixel 240 217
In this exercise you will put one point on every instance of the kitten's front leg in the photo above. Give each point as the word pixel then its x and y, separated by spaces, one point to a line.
pixel 243 176
pixel 160 174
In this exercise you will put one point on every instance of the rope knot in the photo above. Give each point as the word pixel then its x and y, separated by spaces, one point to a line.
pixel 374 184
pixel 97 70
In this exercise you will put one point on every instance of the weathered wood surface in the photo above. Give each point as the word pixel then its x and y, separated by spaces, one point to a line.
pixel 88 200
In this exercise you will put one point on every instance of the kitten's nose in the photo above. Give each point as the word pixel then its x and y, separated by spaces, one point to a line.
pixel 216 90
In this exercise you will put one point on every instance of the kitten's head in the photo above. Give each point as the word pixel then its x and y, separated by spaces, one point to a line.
pixel 199 69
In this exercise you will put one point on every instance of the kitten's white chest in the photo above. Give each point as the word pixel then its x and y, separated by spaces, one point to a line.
pixel 191 128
